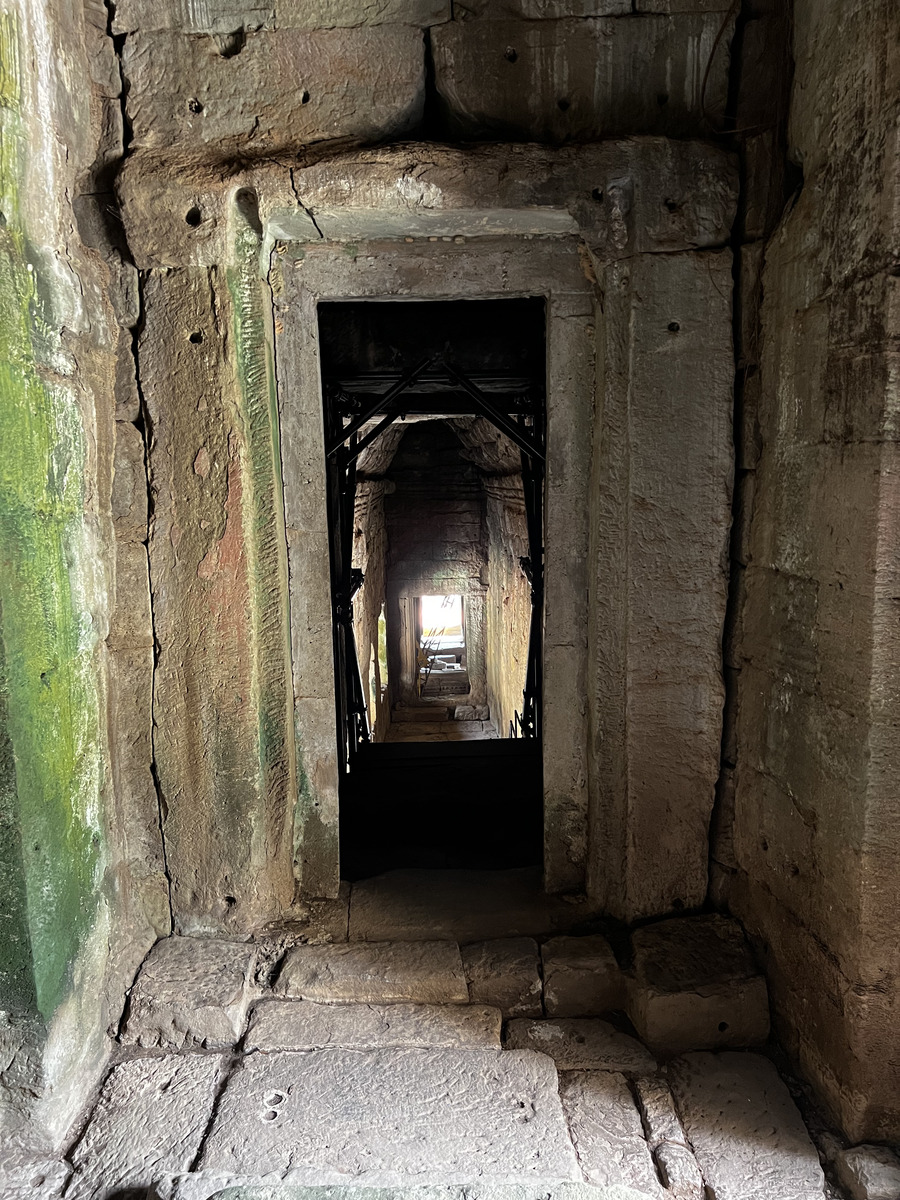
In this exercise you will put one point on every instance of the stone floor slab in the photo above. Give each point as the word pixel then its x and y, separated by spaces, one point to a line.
pixel 869 1172
pixel 747 1135
pixel 503 972
pixel 581 977
pixel 391 1117
pixel 148 1123
pixel 468 906
pixel 606 1129
pixel 32 1178
pixel 661 1121
pixel 581 1045
pixel 194 1189
pixel 305 1025
pixel 427 972
pixel 679 1172
pixel 191 992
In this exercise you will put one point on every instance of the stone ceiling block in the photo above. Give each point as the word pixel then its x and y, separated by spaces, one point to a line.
pixel 262 93
pixel 538 10
pixel 582 79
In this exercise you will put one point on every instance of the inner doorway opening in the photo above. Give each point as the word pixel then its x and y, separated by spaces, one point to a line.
pixel 441 646
pixel 435 442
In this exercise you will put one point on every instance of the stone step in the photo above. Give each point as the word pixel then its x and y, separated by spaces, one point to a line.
pixel 582 1045
pixel 433 712
pixel 306 1025
pixel 422 972
pixel 191 992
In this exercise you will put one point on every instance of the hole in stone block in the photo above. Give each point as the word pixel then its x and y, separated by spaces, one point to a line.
pixel 511 55
pixel 672 205
pixel 194 106
pixel 563 105
pixel 304 98
pixel 723 1025
pixel 662 99
pixel 597 194
pixel 193 217
pixel 231 44
pixel 196 338
pixel 673 327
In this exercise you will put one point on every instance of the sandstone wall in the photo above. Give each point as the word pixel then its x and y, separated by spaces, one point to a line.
pixel 84 890
pixel 813 864
pixel 508 601
pixel 181 548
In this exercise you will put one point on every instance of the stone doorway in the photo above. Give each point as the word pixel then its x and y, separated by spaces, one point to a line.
pixel 434 417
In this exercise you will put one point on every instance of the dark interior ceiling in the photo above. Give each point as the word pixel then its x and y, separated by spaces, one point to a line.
pixel 367 346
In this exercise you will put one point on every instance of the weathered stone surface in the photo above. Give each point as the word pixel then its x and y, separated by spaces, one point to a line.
pixel 815 809
pixel 581 977
pixel 681 1177
pixel 660 1119
pixel 538 10
pixel 747 1134
pixel 305 1025
pixel 587 79
pixel 33 1177
pixel 581 1045
pixel 191 992
pixel 379 972
pixel 606 1129
pixel 504 973
pixel 394 1116
pixel 194 16
pixel 696 986
pixel 128 501
pixel 665 463
pixel 465 905
pixel 194 1188
pixel 869 1172
pixel 147 1124
pixel 276 93
pixel 631 196
pixel 682 6
pixel 223 747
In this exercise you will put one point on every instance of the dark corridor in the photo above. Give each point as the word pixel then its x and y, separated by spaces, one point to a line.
pixel 466 378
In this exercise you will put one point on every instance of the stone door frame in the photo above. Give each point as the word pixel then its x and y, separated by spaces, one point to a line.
pixel 451 267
